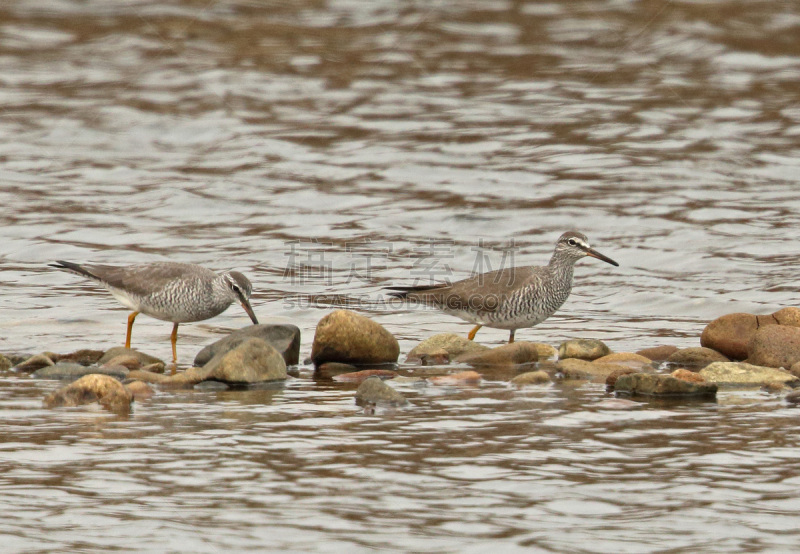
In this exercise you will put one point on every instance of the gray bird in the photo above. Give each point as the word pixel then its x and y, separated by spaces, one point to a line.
pixel 168 291
pixel 512 298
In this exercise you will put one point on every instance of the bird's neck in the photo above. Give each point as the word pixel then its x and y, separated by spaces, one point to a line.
pixel 561 266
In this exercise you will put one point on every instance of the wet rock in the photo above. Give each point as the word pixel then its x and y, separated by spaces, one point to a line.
pixel 545 351
pixel 793 397
pixel 627 359
pixel 652 384
pixel 696 357
pixel 740 374
pixel 531 378
pixel 583 349
pixel 139 390
pixel 111 353
pixel 330 369
pixel 775 346
pixel 252 361
pixel 71 370
pixel 375 391
pixel 83 357
pixel 284 338
pixel 787 316
pixel 125 360
pixel 614 375
pixel 211 386
pixel 33 363
pixel 450 343
pixel 16 358
pixel 105 390
pixel 437 357
pixel 5 363
pixel 689 376
pixel 345 336
pixel 658 353
pixel 776 388
pixel 177 381
pixel 573 368
pixel 360 376
pixel 460 378
pixel 157 367
pixel 516 353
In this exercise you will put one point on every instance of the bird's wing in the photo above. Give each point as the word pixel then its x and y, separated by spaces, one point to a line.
pixel 139 280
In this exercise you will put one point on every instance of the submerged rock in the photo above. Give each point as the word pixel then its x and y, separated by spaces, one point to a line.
pixel 689 376
pixel 611 380
pixel 5 363
pixel 652 384
pixel 184 380
pixel 139 390
pixel 375 391
pixel 658 353
pixel 531 378
pixel 460 378
pixel 740 374
pixel 144 359
pixel 252 361
pixel 583 349
pixel 449 343
pixel 345 336
pixel 775 346
pixel 516 353
pixel 284 338
pixel 71 370
pixel 360 376
pixel 105 390
pixel 330 369
pixel 696 357
pixel 125 360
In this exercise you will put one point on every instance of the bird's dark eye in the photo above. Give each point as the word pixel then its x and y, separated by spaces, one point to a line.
pixel 572 242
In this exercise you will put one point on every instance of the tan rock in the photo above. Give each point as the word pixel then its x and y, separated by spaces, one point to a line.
pixel 788 316
pixel 452 344
pixel 105 390
pixel 140 390
pixel 330 369
pixel 583 349
pixel 516 353
pixel 740 374
pixel 628 359
pixel 689 376
pixel 696 357
pixel 359 376
pixel 573 368
pixel 651 384
pixel 658 353
pixel 611 380
pixel 461 378
pixel 33 363
pixel 125 360
pixel 345 336
pixel 531 378
pixel 252 361
pixel 775 346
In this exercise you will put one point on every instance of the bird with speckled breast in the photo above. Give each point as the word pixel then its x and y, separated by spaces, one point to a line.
pixel 169 291
pixel 512 298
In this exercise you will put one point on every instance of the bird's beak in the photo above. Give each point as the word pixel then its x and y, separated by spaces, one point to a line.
pixel 249 310
pixel 595 254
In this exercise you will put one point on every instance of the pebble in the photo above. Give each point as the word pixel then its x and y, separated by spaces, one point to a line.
pixel 105 390
pixel 360 376
pixel 583 349
pixel 460 378
pixel 348 337
pixel 531 378
pixel 375 391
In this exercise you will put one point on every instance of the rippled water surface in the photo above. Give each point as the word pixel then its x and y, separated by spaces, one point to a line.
pixel 327 149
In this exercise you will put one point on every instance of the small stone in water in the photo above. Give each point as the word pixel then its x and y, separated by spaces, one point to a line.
pixel 531 378
pixel 461 378
pixel 583 349
pixel 375 391
pixel 360 376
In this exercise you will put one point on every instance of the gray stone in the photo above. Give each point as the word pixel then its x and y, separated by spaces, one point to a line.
pixel 144 359
pixel 454 345
pixel 253 361
pixel 740 374
pixel 72 370
pixel 583 349
pixel 348 337
pixel 375 391
pixel 651 384
pixel 283 338
pixel 105 390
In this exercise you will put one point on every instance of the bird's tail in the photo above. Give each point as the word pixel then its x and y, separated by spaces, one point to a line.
pixel 403 292
pixel 73 268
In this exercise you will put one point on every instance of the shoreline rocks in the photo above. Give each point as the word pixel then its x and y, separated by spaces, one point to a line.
pixel 347 337
pixel 284 338
pixel 660 385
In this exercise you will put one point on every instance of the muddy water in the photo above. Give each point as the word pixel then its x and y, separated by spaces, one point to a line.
pixel 325 149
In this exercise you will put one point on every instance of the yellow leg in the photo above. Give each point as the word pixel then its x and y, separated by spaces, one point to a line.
pixel 474 331
pixel 511 337
pixel 130 328
pixel 174 338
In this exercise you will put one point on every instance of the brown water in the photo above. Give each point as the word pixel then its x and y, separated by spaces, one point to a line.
pixel 319 148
